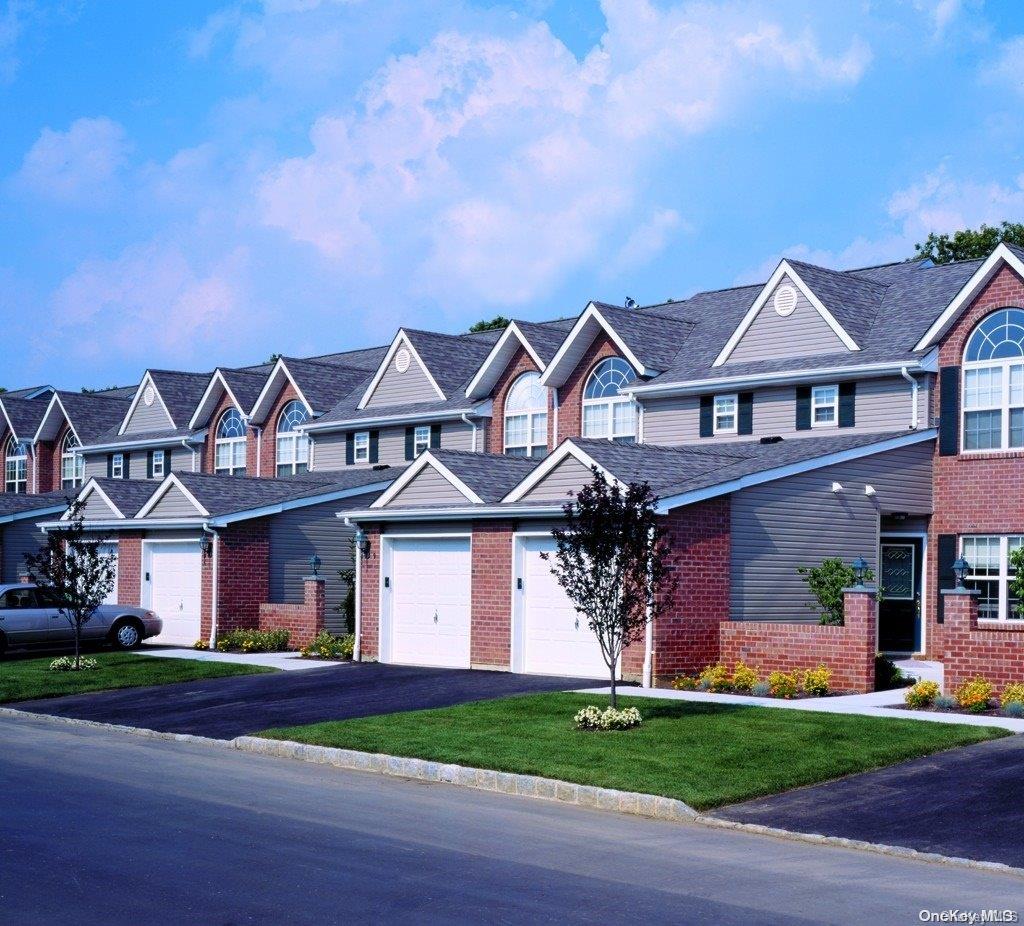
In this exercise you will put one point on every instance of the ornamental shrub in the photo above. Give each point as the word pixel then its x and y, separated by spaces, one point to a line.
pixel 715 678
pixel 200 644
pixel 945 703
pixel 761 690
pixel 887 674
pixel 818 682
pixel 593 718
pixel 923 694
pixel 684 683
pixel 253 641
pixel 826 583
pixel 67 664
pixel 782 685
pixel 1012 694
pixel 974 695
pixel 327 646
pixel 743 678
pixel 1014 709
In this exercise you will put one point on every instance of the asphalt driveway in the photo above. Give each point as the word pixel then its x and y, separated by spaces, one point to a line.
pixel 965 803
pixel 229 707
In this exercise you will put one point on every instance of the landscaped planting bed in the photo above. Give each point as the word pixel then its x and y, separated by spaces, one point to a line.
pixel 704 754
pixel 976 696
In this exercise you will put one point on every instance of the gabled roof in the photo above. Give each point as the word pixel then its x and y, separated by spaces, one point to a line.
pixel 15 506
pixel 32 392
pixel 177 391
pixel 22 416
pixel 90 415
pixel 319 386
pixel 244 387
pixel 540 340
pixel 124 496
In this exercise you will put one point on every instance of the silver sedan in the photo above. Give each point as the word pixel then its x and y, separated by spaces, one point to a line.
pixel 30 616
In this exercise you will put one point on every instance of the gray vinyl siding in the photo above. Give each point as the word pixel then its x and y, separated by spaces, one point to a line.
pixel 149 418
pixel 800 521
pixel 329 452
pixel 174 504
pixel 397 388
pixel 298 534
pixel 180 460
pixel 428 487
pixel 96 509
pixel 95 465
pixel 770 336
pixel 17 539
pixel 569 476
pixel 882 405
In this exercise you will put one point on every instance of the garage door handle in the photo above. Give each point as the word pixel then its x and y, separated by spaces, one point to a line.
pixel 519 584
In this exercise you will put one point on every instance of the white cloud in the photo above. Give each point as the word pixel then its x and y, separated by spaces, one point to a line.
pixel 1007 69
pixel 79 166
pixel 645 242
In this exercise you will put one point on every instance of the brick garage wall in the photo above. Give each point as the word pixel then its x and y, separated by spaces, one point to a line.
pixel 302 621
pixel 770 646
pixel 268 448
pixel 570 395
pixel 974 494
pixel 369 597
pixel 995 652
pixel 129 568
pixel 520 363
pixel 243 576
pixel 490 643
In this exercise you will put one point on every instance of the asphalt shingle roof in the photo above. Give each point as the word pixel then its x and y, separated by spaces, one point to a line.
pixel 452 359
pixel 25 414
pixel 129 495
pixel 11 503
pixel 93 416
pixel 491 476
pixel 654 338
pixel 246 385
pixel 324 384
pixel 180 392
pixel 546 337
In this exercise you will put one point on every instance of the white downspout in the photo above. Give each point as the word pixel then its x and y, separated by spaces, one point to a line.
pixel 189 447
pixel 35 470
pixel 213 584
pixel 356 650
pixel 914 387
pixel 259 449
pixel 472 424
pixel 648 670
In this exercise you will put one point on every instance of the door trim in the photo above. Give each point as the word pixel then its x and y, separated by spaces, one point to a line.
pixel 923 572
pixel 146 588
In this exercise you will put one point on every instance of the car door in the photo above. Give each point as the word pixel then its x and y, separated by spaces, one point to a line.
pixel 60 630
pixel 22 620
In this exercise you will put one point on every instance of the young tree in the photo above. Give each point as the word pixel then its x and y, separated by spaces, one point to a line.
pixel 969 243
pixel 71 568
pixel 499 321
pixel 826 582
pixel 610 558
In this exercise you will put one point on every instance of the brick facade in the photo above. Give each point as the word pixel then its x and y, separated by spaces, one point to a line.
pixel 129 568
pixel 208 454
pixel 243 575
pixel 267 449
pixel 973 493
pixel 302 621
pixel 42 463
pixel 849 651
pixel 369 597
pixel 520 363
pixel 570 394
pixel 490 639
pixel 993 651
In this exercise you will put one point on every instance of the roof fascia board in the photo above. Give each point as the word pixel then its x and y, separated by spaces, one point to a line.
pixel 422 461
pixel 784 269
pixel 172 481
pixel 792 469
pixel 337 495
pixel 568 449
pixel 591 312
pixel 400 339
pixel 93 486
pixel 198 438
pixel 67 418
pixel 452 514
pixel 31 513
pixel 280 369
pixel 478 382
pixel 349 423
pixel 148 378
pixel 133 524
pixel 207 395
pixel 1001 255
pixel 10 427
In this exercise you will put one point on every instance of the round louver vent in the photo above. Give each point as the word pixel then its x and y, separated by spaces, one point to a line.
pixel 785 300
pixel 402 360
pixel 149 395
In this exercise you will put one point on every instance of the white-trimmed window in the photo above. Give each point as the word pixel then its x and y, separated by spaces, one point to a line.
pixel 989 571
pixel 16 466
pixel 292 445
pixel 994 383
pixel 526 417
pixel 72 463
pixel 825 406
pixel 606 413
pixel 420 439
pixel 159 464
pixel 229 448
pixel 361 447
pixel 727 414
pixel 117 466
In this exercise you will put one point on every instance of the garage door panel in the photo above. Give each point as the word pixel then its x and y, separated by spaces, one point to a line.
pixel 173 589
pixel 556 638
pixel 430 602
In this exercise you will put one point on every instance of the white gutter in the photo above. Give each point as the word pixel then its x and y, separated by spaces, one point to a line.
pixel 648 670
pixel 914 387
pixel 131 524
pixel 452 514
pixel 473 425
pixel 185 444
pixel 224 520
pixel 441 415
pixel 213 583
pixel 31 513
pixel 35 467
pixel 161 442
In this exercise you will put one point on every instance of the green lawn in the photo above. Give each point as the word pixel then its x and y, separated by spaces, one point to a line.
pixel 25 679
pixel 703 754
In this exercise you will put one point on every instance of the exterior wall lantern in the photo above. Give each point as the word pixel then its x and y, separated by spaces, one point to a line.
pixel 860 570
pixel 362 542
pixel 960 568
pixel 204 544
pixel 315 563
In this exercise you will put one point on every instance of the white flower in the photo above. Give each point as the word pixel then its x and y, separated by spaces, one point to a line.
pixel 593 718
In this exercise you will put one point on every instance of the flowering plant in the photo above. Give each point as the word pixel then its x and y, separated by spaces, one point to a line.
pixel 743 678
pixel 67 664
pixel 782 684
pixel 974 695
pixel 922 694
pixel 818 681
pixel 593 718
pixel 1012 694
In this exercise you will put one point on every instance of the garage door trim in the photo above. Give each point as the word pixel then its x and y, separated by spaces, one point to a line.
pixel 146 588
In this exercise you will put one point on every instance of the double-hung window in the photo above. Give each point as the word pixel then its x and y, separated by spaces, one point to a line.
pixel 159 464
pixel 361 447
pixel 292 444
pixel 117 466
pixel 825 406
pixel 16 466
pixel 726 420
pixel 606 413
pixel 420 439
pixel 72 463
pixel 993 417
pixel 526 417
pixel 990 573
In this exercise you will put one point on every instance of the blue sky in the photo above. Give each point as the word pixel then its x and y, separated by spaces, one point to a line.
pixel 191 184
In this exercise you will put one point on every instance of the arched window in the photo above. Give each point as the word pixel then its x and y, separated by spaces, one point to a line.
pixel 605 412
pixel 16 466
pixel 994 383
pixel 526 417
pixel 292 445
pixel 229 446
pixel 72 463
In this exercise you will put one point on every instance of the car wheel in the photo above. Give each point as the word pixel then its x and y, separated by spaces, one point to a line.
pixel 126 635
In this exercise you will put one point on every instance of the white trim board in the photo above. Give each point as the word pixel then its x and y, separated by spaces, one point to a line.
pixel 32 512
pixel 170 481
pixel 783 270
pixel 482 384
pixel 591 314
pixel 217 375
pixel 93 486
pixel 567 449
pixel 400 340
pixel 422 461
pixel 147 378
pixel 55 400
pixel 223 520
pixel 257 413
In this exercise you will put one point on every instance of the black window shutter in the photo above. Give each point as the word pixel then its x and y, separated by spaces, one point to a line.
pixel 435 436
pixel 707 411
pixel 126 465
pixel 745 421
pixel 149 464
pixel 947 578
pixel 110 466
pixel 374 446
pixel 350 449
pixel 803 408
pixel 410 438
pixel 949 411
pixel 847 405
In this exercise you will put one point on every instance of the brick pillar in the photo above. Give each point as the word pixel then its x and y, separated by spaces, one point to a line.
pixel 491 595
pixel 369 597
pixel 860 618
pixel 961 609
pixel 315 598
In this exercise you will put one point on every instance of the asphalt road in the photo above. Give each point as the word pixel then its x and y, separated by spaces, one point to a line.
pixel 223 708
pixel 105 828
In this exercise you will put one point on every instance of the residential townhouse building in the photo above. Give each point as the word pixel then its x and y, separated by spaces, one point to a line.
pixel 779 424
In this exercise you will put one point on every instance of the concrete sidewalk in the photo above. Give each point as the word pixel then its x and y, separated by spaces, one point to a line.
pixel 287 662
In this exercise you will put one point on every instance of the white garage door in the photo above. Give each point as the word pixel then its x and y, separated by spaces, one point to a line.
pixel 429 590
pixel 171 587
pixel 554 638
